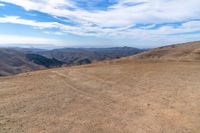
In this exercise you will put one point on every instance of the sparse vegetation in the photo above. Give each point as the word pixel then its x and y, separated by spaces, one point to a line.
pixel 18 60
pixel 41 60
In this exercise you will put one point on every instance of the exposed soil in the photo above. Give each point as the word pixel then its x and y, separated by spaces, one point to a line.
pixel 112 97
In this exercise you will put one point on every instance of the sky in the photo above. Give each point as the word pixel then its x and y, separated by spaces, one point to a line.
pixel 98 23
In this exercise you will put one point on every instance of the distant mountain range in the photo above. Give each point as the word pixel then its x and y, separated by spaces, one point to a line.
pixel 17 60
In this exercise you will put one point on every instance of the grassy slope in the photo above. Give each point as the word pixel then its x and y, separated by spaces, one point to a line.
pixel 116 97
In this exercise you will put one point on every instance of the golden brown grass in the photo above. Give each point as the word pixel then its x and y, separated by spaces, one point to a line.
pixel 124 96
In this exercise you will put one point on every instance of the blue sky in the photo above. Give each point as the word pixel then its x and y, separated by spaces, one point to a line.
pixel 98 23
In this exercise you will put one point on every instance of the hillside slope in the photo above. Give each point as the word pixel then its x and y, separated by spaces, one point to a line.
pixel 180 52
pixel 13 62
pixel 77 56
pixel 123 96
pixel 18 60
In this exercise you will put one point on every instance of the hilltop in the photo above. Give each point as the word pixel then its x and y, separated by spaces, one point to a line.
pixel 121 96
pixel 179 52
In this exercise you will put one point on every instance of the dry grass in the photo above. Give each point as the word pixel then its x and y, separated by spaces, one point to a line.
pixel 180 52
pixel 119 97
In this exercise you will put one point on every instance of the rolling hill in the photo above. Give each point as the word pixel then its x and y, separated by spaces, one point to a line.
pixel 18 60
pixel 129 95
pixel 180 52
pixel 43 61
pixel 13 62
pixel 78 56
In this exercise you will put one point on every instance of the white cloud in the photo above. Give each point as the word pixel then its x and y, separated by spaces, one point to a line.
pixel 118 20
pixel 13 39
pixel 1 4
pixel 119 15
pixel 41 25
pixel 86 30
pixel 18 20
pixel 53 33
pixel 190 26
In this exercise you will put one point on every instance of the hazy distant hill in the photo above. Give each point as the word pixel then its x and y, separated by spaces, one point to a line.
pixel 43 61
pixel 75 56
pixel 17 60
pixel 14 61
